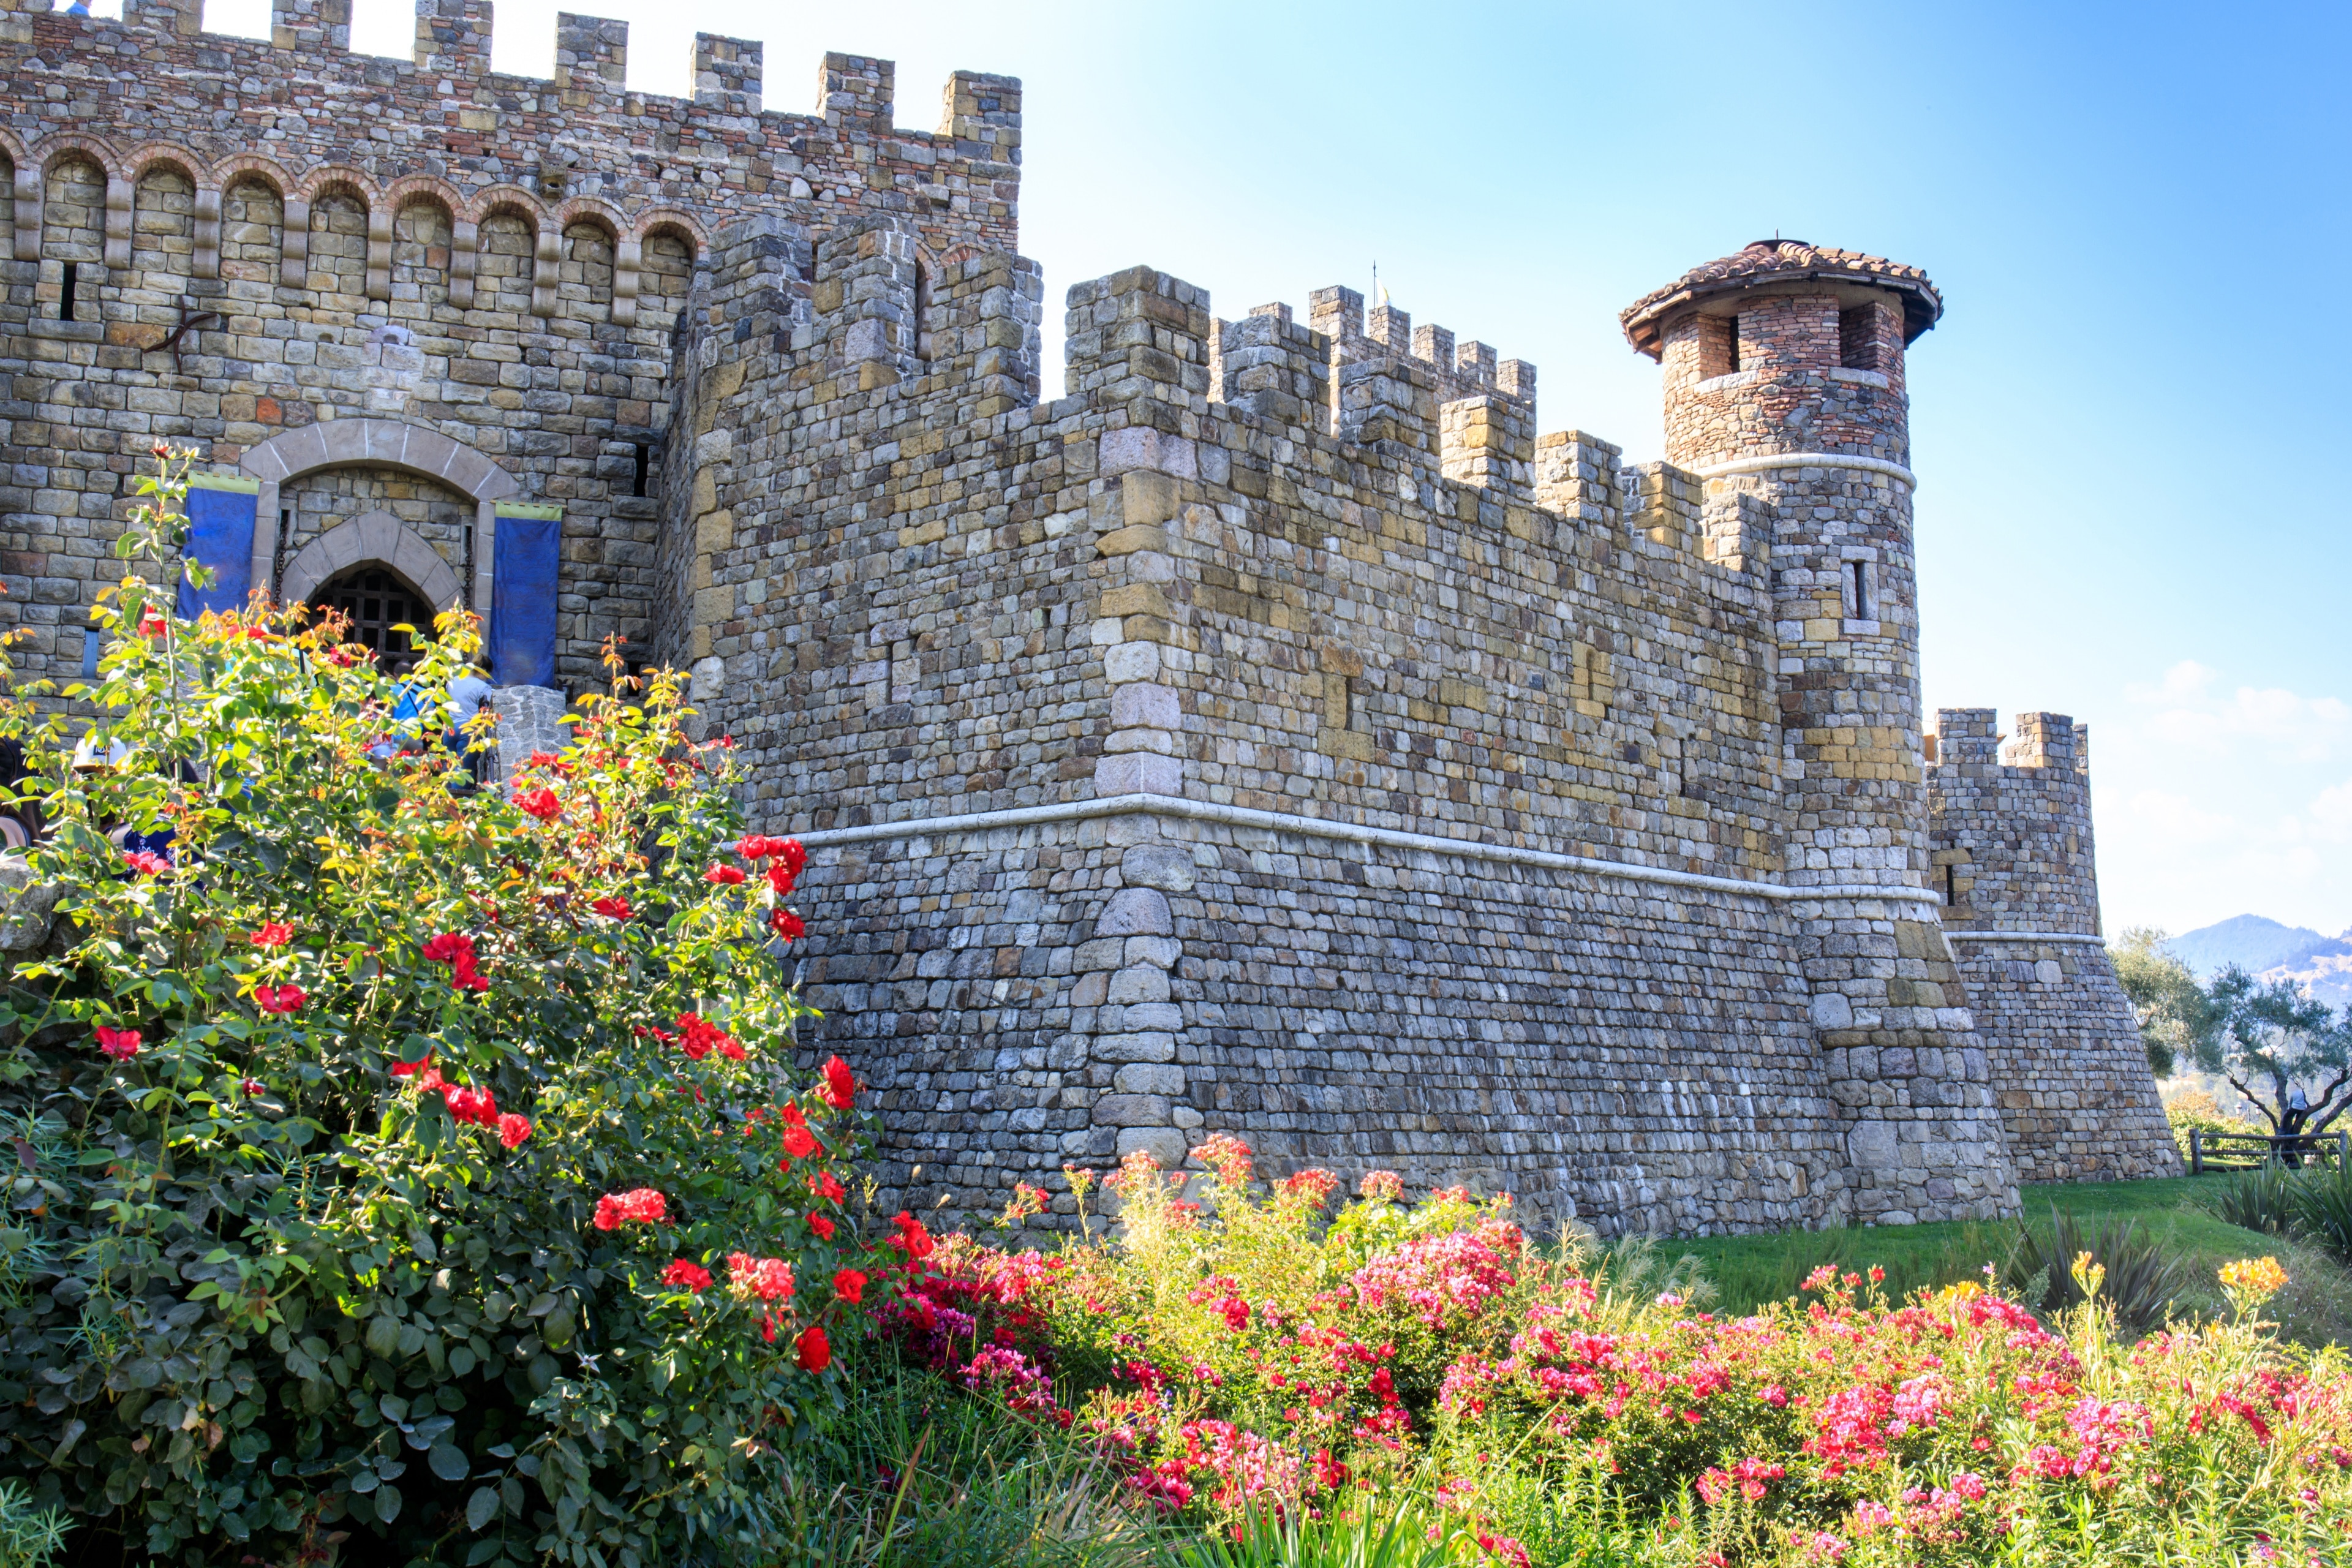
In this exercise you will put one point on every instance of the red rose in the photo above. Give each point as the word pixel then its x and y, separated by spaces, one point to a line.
pixel 693 1276
pixel 473 1105
pixel 612 909
pixel 726 876
pixel 644 1206
pixel 151 624
pixel 811 1352
pixel 539 803
pixel 147 862
pixel 450 947
pixel 780 877
pixel 822 1226
pixel 850 1285
pixel 840 1087
pixel 786 924
pixel 118 1045
pixel 276 933
pixel 513 1130
pixel 829 1188
pixel 280 1000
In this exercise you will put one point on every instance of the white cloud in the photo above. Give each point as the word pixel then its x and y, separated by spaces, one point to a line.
pixel 2188 713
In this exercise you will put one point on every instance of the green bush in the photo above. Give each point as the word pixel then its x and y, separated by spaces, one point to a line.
pixel 2261 1199
pixel 2142 1279
pixel 398 1163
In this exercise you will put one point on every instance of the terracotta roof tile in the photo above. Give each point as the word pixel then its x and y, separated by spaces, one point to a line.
pixel 1775 261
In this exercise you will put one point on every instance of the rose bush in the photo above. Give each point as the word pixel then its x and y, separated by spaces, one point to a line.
pixel 401 1163
pixel 1243 1350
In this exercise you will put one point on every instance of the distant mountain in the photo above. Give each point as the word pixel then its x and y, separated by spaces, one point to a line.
pixel 2272 952
pixel 2254 944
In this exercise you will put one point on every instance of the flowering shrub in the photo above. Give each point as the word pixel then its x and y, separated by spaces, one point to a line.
pixel 1237 1352
pixel 378 1141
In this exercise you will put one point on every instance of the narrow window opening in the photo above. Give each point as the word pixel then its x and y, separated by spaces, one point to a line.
pixel 1951 885
pixel 66 293
pixel 922 312
pixel 1858 338
pixel 638 485
pixel 1857 591
pixel 1731 347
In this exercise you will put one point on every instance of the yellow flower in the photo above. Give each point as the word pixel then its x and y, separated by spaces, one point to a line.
pixel 1966 1290
pixel 2255 1275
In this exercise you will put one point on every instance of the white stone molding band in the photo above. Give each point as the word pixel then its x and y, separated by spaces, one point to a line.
pixel 2025 936
pixel 1809 460
pixel 1349 832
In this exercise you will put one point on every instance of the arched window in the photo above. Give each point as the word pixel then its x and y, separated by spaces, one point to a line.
pixel 374 599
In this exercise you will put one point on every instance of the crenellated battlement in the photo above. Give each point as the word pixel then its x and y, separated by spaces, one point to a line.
pixel 444 128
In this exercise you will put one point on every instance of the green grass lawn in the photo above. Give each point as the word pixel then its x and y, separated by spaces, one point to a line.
pixel 1750 1270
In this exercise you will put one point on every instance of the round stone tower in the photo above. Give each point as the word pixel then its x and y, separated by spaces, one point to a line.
pixel 1784 385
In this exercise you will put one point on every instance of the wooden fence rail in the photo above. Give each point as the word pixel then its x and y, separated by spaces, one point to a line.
pixel 2292 1148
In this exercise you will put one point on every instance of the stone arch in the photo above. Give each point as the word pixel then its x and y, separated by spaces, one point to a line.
pixel 389 443
pixel 372 537
pixel 379 443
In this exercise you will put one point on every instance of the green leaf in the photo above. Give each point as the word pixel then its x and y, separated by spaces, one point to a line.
pixel 387 1504
pixel 481 1507
pixel 451 1465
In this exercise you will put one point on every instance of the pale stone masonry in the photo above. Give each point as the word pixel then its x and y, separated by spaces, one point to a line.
pixel 1274 732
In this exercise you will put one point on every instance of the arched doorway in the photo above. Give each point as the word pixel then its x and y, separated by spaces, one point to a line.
pixel 375 599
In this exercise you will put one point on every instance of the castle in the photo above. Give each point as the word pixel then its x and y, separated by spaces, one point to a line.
pixel 1272 733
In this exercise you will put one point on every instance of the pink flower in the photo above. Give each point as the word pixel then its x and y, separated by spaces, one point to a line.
pixel 513 1130
pixel 692 1276
pixel 118 1045
pixel 276 933
pixel 1382 1186
pixel 280 1000
pixel 147 862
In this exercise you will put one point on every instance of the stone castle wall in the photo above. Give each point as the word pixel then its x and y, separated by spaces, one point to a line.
pixel 2015 863
pixel 498 258
pixel 1172 764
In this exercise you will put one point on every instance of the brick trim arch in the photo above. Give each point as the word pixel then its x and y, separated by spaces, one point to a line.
pixel 375 536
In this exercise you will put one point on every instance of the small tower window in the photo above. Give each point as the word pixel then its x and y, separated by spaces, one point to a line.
pixel 1718 346
pixel 1951 885
pixel 66 291
pixel 1859 599
pixel 644 458
pixel 1858 338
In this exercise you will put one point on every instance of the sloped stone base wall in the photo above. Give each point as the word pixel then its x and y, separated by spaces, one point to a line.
pixel 2070 1075
pixel 1634 1055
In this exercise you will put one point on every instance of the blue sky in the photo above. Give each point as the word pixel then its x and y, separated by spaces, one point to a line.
pixel 2127 427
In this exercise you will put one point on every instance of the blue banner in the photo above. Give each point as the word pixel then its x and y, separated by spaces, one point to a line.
pixel 220 536
pixel 522 600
